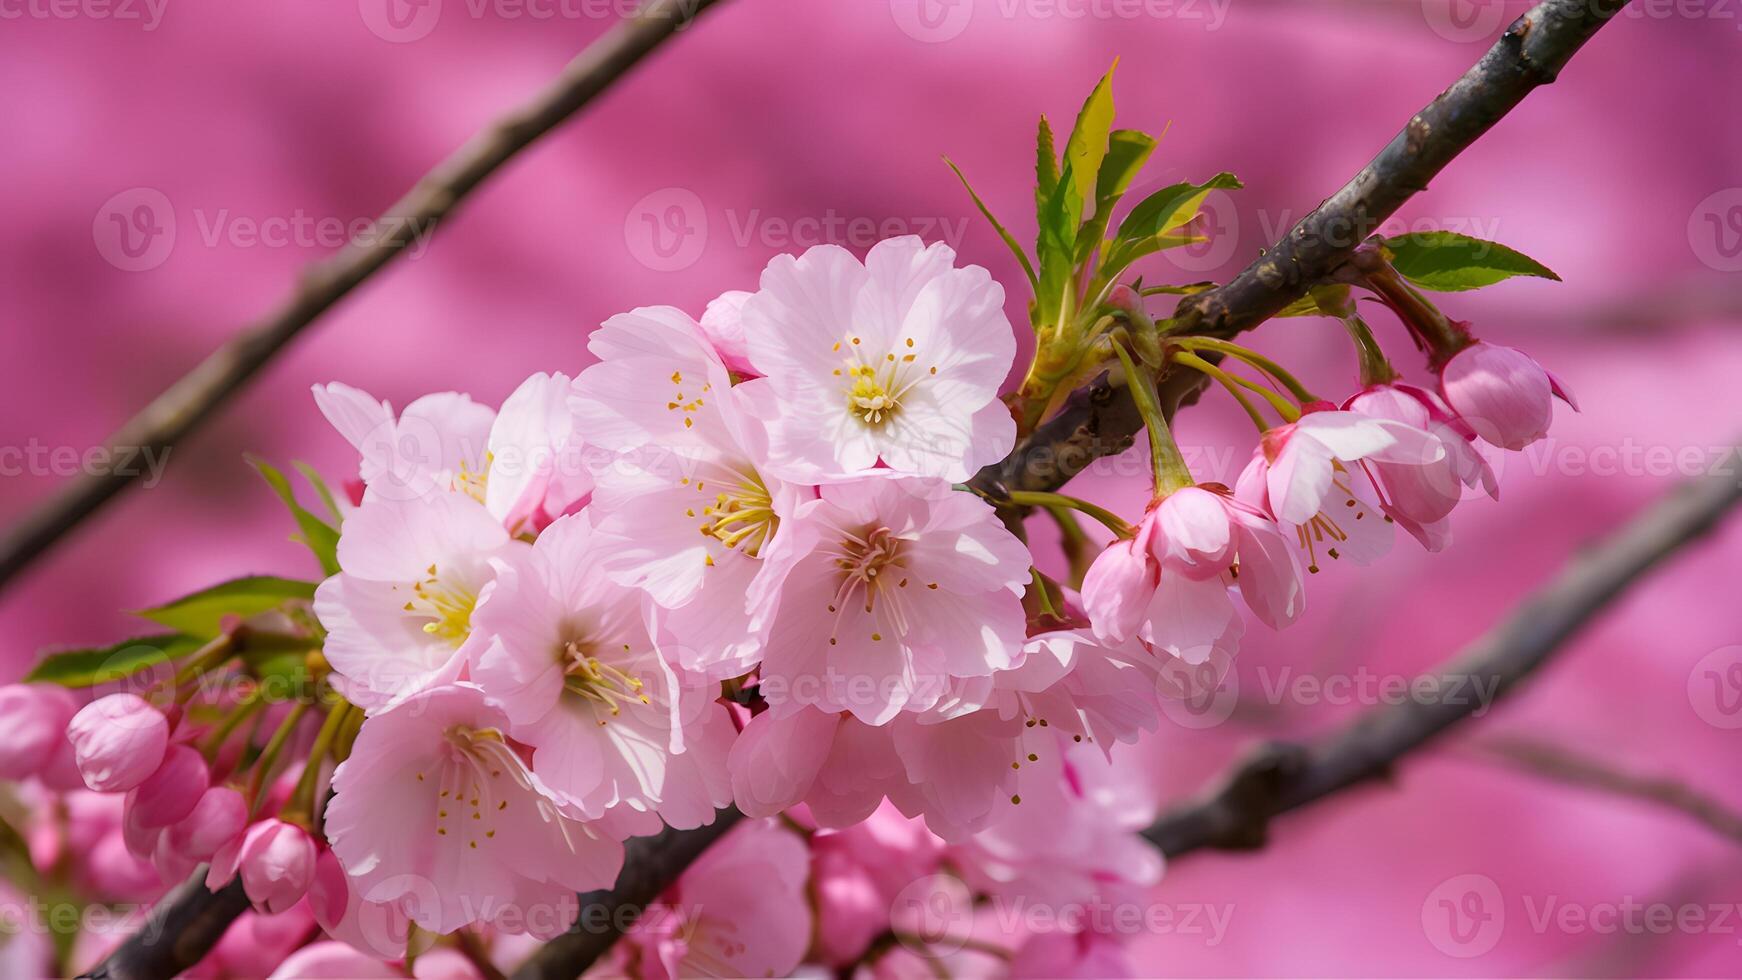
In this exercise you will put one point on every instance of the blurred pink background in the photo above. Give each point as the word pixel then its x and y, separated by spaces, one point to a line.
pixel 777 124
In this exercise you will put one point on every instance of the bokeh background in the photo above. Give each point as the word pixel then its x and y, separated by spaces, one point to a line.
pixel 171 166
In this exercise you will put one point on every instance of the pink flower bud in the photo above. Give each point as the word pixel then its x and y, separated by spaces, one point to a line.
pixel 1123 297
pixel 277 862
pixel 118 741
pixel 851 912
pixel 171 792
pixel 216 820
pixel 33 723
pixel 1502 393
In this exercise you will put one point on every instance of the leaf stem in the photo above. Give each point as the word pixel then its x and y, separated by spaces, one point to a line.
pixel 1285 408
pixel 1168 465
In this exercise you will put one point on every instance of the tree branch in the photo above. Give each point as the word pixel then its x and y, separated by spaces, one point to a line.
pixel 1282 776
pixel 190 401
pixel 651 866
pixel 181 929
pixel 1099 420
pixel 1551 761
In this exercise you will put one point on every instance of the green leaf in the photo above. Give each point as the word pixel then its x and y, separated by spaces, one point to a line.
pixel 202 613
pixel 103 665
pixel 1088 143
pixel 1448 262
pixel 1046 165
pixel 1060 215
pixel 1003 232
pixel 1171 207
pixel 321 537
pixel 1127 151
pixel 313 477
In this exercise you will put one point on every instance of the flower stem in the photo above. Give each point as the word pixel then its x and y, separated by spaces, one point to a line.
pixel 1285 408
pixel 1170 470
pixel 1252 357
pixel 1376 369
pixel 268 760
pixel 302 799
pixel 1053 501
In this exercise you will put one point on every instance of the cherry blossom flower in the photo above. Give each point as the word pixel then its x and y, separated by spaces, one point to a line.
pixel 1314 476
pixel 1503 394
pixel 687 509
pixel 524 463
pixel 723 323
pixel 438 444
pixel 33 727
pixel 399 613
pixel 118 741
pixel 436 811
pixel 741 910
pixel 572 663
pixel 896 360
pixel 889 588
pixel 1420 498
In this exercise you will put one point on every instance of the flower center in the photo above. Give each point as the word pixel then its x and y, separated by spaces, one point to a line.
pixel 872 563
pixel 472 482
pixel 447 604
pixel 586 676
pixel 875 385
pixel 478 776
pixel 742 515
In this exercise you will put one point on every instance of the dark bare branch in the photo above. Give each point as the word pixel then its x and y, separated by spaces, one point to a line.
pixel 179 932
pixel 651 866
pixel 1282 777
pixel 190 401
pixel 1561 764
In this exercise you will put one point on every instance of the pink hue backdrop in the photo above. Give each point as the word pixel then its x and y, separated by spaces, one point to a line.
pixel 776 124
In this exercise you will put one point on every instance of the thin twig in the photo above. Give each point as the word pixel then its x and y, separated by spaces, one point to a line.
pixel 1283 776
pixel 1551 761
pixel 190 401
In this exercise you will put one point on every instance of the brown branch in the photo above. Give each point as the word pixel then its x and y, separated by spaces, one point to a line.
pixel 651 866
pixel 1564 765
pixel 190 401
pixel 1281 776
pixel 181 929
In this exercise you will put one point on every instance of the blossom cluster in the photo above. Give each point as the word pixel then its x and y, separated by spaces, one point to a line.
pixel 769 561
